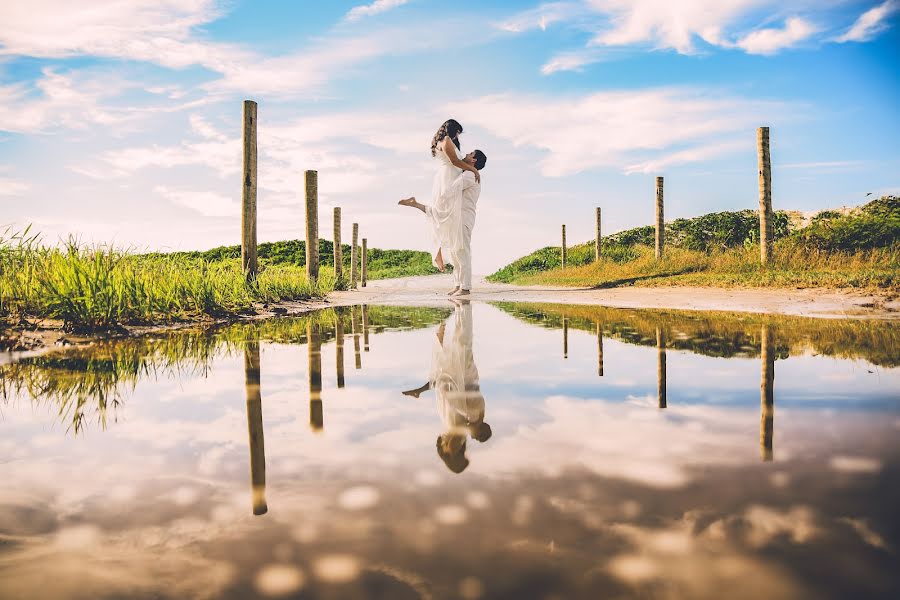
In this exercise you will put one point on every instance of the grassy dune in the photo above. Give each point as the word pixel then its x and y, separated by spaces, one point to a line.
pixel 856 250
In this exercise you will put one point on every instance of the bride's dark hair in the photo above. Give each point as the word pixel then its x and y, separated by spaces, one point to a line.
pixel 450 127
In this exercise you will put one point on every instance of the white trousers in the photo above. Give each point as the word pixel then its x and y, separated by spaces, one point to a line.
pixel 461 258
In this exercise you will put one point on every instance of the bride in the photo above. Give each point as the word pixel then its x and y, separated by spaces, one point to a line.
pixel 444 211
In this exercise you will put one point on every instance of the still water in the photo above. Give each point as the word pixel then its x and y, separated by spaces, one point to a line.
pixel 459 451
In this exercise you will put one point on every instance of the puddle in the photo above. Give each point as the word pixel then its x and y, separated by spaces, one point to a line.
pixel 474 451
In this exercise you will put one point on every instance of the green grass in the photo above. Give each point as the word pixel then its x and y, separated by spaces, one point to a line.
pixel 857 250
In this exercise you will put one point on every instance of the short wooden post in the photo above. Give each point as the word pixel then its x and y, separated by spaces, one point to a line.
pixel 563 246
pixel 354 274
pixel 339 347
pixel 312 225
pixel 660 221
pixel 255 428
pixel 765 194
pixel 597 245
pixel 661 366
pixel 314 347
pixel 565 337
pixel 338 251
pixel 365 326
pixel 599 349
pixel 248 194
pixel 365 260
pixel 766 393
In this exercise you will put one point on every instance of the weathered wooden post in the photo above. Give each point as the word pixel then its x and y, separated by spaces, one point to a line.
pixel 365 260
pixel 255 428
pixel 365 326
pixel 354 329
pixel 338 251
pixel 660 220
pixel 565 337
pixel 314 346
pixel 354 274
pixel 765 195
pixel 248 194
pixel 312 225
pixel 597 245
pixel 599 349
pixel 661 366
pixel 563 246
pixel 339 347
pixel 766 393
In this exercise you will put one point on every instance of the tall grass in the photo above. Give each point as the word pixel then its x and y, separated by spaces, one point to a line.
pixel 101 287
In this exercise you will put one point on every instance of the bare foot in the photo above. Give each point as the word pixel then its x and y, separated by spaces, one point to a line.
pixel 463 293
pixel 453 291
pixel 439 259
pixel 411 201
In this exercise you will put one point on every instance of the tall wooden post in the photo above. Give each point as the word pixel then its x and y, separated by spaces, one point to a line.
pixel 354 274
pixel 565 337
pixel 338 251
pixel 314 346
pixel 255 428
pixel 563 246
pixel 365 260
pixel 312 225
pixel 365 326
pixel 766 393
pixel 599 350
pixel 354 329
pixel 661 366
pixel 660 220
pixel 765 194
pixel 339 347
pixel 248 193
pixel 597 245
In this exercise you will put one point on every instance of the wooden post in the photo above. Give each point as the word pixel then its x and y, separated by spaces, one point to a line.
pixel 765 194
pixel 563 246
pixel 660 221
pixel 565 337
pixel 354 329
pixel 248 194
pixel 312 225
pixel 365 325
pixel 365 259
pixel 314 346
pixel 599 349
pixel 766 393
pixel 255 428
pixel 597 245
pixel 338 251
pixel 339 348
pixel 661 366
pixel 354 274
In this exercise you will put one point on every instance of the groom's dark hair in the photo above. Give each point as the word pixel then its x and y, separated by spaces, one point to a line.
pixel 480 160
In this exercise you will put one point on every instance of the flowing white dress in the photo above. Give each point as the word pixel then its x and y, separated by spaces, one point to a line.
pixel 445 211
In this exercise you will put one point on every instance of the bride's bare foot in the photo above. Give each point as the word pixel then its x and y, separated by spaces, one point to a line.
pixel 463 293
pixel 411 201
pixel 453 291
pixel 439 259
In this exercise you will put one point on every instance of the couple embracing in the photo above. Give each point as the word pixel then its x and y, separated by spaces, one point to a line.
pixel 454 196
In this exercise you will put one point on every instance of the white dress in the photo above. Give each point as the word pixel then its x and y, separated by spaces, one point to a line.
pixel 445 211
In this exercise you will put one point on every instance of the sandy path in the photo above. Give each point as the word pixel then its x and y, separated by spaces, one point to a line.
pixel 802 302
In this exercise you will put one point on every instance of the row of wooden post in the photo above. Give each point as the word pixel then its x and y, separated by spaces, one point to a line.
pixel 249 257
pixel 764 160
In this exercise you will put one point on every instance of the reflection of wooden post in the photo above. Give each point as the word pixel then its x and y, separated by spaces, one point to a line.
pixel 354 329
pixel 314 345
pixel 660 221
pixel 365 260
pixel 765 194
pixel 248 193
pixel 312 225
pixel 563 246
pixel 365 326
pixel 255 428
pixel 597 245
pixel 599 350
pixel 661 366
pixel 565 337
pixel 354 259
pixel 766 393
pixel 339 348
pixel 338 251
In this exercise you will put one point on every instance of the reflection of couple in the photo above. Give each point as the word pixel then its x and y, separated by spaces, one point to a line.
pixel 451 214
pixel 454 378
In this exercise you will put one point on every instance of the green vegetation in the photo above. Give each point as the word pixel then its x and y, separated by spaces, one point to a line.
pixel 860 249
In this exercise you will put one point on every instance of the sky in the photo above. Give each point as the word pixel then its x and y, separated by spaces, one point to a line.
pixel 120 121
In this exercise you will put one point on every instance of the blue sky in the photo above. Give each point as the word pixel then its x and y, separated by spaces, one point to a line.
pixel 120 121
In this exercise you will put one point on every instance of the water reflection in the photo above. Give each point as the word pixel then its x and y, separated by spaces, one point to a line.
pixel 255 427
pixel 661 367
pixel 767 392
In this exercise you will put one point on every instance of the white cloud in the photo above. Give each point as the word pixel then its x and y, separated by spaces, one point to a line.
pixel 542 16
pixel 630 130
pixel 13 187
pixel 696 154
pixel 870 23
pixel 208 204
pixel 368 10
pixel 771 40
pixel 572 61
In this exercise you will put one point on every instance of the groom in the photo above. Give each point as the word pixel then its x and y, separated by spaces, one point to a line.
pixel 461 257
